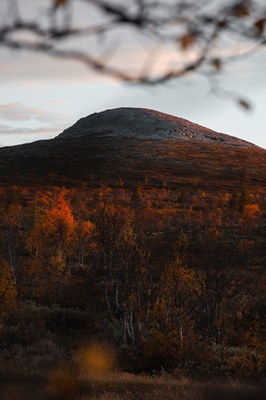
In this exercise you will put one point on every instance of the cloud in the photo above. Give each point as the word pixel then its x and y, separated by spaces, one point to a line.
pixel 42 131
pixel 22 112
pixel 8 130
pixel 26 69
pixel 18 112
pixel 11 136
pixel 127 50
pixel 132 50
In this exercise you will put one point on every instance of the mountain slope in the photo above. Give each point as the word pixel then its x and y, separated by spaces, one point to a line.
pixel 124 145
pixel 143 123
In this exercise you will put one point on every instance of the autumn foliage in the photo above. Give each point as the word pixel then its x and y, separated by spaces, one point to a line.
pixel 170 279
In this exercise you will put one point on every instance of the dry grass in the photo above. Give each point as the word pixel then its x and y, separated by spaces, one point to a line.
pixel 19 383
pixel 92 161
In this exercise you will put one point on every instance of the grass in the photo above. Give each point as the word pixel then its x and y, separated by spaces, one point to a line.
pixel 75 162
pixel 18 382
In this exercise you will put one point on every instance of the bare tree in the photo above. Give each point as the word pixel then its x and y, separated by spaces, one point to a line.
pixel 141 41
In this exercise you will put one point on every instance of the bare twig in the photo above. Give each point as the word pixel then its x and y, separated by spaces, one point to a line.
pixel 177 26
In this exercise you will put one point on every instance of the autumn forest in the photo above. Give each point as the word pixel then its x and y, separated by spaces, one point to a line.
pixel 168 280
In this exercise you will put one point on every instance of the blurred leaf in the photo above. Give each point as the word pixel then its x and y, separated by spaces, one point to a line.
pixel 187 40
pixel 60 3
pixel 217 64
pixel 241 10
pixel 260 24
pixel 244 104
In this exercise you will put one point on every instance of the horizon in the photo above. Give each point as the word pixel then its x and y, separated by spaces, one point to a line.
pixel 130 107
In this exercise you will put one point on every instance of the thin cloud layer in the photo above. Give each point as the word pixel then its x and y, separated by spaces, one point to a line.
pixel 9 130
pixel 22 112
pixel 11 136
pixel 22 123
pixel 27 69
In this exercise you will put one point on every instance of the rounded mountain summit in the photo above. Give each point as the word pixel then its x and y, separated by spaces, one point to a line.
pixel 142 123
pixel 136 147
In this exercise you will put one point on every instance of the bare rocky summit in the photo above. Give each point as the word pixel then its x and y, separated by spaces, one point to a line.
pixel 141 123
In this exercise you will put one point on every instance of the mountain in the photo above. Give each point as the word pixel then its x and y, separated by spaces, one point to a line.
pixel 144 124
pixel 136 146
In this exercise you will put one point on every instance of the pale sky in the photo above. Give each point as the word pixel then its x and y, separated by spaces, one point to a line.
pixel 41 96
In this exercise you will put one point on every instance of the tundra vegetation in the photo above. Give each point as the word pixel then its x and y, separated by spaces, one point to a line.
pixel 144 281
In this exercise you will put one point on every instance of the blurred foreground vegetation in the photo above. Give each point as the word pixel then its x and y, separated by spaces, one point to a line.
pixel 22 382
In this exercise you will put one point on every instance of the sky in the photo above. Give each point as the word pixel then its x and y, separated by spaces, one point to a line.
pixel 40 96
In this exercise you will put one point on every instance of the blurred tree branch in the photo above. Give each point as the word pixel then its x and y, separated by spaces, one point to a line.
pixel 175 37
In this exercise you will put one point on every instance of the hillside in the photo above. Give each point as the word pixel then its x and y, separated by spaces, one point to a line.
pixel 136 146
pixel 123 248
pixel 140 123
